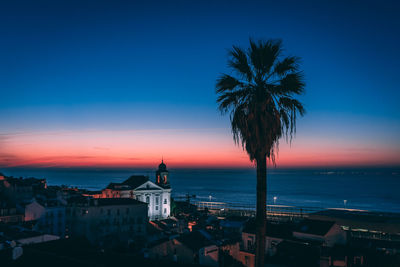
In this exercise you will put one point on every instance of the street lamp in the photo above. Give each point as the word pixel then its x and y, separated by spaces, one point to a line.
pixel 344 203
pixel 275 198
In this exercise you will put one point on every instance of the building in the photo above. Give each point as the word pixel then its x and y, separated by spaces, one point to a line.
pixel 328 233
pixel 156 194
pixel 275 234
pixel 8 212
pixel 19 189
pixel 190 248
pixel 107 221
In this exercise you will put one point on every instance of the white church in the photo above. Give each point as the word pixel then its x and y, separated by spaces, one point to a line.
pixel 157 195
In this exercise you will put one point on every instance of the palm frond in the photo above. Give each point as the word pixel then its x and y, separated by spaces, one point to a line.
pixel 293 83
pixel 263 55
pixel 291 107
pixel 287 65
pixel 231 99
pixel 227 83
pixel 239 63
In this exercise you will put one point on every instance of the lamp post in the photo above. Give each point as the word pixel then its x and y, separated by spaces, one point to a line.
pixel 275 198
pixel 344 203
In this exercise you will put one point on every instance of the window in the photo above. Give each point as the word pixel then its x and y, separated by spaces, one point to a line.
pixel 165 211
pixel 148 200
pixel 157 200
pixel 165 201
pixel 249 244
pixel 156 207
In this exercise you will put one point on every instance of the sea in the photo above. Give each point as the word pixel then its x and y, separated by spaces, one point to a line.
pixel 372 189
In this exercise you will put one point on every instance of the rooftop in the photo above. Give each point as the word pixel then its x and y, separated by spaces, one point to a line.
pixel 194 240
pixel 136 180
pixel 314 227
pixel 278 230
pixel 105 201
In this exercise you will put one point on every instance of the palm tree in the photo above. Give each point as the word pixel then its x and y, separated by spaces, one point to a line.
pixel 260 100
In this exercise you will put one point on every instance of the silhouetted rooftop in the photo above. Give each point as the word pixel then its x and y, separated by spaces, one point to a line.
pixel 279 230
pixel 314 227
pixel 194 240
pixel 104 201
pixel 136 180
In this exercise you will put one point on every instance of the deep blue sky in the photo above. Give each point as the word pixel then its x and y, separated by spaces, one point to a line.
pixel 117 65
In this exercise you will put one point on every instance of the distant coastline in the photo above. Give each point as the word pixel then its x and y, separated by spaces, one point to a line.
pixel 374 189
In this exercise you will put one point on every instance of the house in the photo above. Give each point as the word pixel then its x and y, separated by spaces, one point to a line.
pixel 194 247
pixel 48 216
pixel 8 212
pixel 275 234
pixel 16 235
pixel 156 194
pixel 19 189
pixel 328 233
pixel 107 221
pixel 233 224
pixel 190 248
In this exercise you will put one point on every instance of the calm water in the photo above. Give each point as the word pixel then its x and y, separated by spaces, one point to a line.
pixel 369 189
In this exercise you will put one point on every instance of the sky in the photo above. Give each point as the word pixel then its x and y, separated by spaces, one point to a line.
pixel 123 83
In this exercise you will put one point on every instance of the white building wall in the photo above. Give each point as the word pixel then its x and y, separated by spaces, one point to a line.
pixel 162 210
pixel 159 202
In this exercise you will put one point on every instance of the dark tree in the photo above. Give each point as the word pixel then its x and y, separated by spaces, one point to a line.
pixel 260 97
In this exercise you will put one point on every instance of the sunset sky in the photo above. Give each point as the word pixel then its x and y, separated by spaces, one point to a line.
pixel 115 83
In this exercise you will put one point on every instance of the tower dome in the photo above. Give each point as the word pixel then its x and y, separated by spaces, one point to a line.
pixel 162 166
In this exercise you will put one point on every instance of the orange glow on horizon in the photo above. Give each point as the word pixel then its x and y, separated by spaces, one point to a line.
pixel 180 148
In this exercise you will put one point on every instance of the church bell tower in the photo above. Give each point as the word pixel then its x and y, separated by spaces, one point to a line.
pixel 162 176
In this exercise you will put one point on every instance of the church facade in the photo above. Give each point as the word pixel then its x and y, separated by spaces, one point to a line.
pixel 156 194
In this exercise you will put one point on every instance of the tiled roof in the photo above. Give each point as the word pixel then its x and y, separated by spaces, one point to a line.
pixel 194 240
pixel 84 201
pixel 277 230
pixel 136 180
pixel 314 227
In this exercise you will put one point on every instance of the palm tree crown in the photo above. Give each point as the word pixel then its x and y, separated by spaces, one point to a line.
pixel 260 98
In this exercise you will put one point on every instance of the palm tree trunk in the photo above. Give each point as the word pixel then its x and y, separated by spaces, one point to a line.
pixel 261 213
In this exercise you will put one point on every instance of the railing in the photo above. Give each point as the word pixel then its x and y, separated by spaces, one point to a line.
pixel 374 235
pixel 273 211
